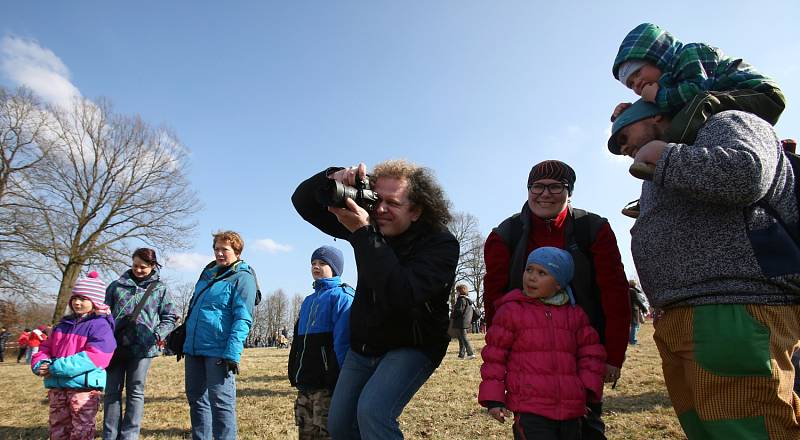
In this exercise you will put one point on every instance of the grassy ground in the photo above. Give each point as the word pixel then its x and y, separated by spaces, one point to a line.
pixel 445 408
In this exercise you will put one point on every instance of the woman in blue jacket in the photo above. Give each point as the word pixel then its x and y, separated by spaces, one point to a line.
pixel 220 317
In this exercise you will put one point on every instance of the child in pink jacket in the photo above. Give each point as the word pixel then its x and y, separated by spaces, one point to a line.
pixel 73 361
pixel 542 360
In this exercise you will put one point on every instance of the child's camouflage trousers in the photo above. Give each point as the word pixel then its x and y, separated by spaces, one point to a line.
pixel 72 414
pixel 311 414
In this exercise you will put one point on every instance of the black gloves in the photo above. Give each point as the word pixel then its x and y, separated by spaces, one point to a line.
pixel 231 366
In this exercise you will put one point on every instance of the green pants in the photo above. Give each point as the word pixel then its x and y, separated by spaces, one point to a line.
pixel 728 370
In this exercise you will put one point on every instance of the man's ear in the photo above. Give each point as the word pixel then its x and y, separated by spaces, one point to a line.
pixel 416 213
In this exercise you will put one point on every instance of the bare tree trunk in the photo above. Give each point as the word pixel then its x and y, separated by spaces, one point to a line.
pixel 71 273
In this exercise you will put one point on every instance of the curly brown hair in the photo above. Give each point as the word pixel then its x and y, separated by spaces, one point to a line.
pixel 423 190
pixel 237 244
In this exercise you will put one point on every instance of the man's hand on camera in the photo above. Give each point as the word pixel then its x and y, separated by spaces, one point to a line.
pixel 353 217
pixel 349 175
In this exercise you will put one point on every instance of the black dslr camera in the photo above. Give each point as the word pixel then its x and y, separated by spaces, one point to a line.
pixel 335 193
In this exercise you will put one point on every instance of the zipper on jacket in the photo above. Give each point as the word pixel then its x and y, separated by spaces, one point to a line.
pixel 309 323
pixel 324 357
pixel 550 325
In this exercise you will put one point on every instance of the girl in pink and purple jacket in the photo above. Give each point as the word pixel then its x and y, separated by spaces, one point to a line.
pixel 72 361
pixel 542 360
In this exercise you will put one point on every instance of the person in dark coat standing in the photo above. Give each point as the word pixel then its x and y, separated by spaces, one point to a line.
pixel 462 315
pixel 4 337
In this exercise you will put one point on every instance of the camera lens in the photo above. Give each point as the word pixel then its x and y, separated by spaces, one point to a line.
pixel 335 193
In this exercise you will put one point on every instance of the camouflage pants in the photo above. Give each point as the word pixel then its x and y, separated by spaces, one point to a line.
pixel 72 414
pixel 311 414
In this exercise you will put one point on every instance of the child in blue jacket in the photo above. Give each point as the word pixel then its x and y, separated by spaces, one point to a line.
pixel 321 339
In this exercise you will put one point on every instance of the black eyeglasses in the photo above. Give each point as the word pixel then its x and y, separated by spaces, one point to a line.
pixel 554 188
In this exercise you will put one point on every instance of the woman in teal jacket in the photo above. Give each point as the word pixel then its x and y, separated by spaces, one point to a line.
pixel 220 317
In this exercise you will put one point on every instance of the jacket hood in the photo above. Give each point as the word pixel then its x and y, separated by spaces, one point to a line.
pixel 72 318
pixel 238 266
pixel 403 244
pixel 126 279
pixel 647 42
pixel 515 295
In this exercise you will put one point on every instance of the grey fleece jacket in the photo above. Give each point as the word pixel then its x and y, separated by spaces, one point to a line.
pixel 702 236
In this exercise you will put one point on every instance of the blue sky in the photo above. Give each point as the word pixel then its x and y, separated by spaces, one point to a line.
pixel 266 93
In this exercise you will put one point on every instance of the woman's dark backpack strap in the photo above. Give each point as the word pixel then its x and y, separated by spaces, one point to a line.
pixel 513 232
pixel 579 234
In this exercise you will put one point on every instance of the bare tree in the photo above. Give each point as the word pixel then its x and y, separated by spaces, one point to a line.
pixel 475 267
pixel 110 180
pixel 465 228
pixel 23 125
pixel 182 295
pixel 260 329
pixel 297 302
pixel 277 309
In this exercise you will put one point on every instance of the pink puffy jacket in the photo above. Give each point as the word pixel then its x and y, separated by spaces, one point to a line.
pixel 541 359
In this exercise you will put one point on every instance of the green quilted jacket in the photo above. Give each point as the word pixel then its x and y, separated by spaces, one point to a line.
pixel 687 69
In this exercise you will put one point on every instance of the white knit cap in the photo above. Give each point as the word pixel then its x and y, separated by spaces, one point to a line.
pixel 92 288
pixel 628 68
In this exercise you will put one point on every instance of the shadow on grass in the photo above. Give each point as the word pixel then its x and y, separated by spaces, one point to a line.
pixel 265 378
pixel 165 432
pixel 13 432
pixel 637 403
pixel 260 392
pixel 172 399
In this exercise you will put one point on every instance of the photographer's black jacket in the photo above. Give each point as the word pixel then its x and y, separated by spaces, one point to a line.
pixel 404 282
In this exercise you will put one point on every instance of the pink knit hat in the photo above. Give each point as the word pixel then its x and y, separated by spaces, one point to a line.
pixel 92 288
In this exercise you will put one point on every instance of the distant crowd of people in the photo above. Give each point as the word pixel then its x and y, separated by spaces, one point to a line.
pixel 715 245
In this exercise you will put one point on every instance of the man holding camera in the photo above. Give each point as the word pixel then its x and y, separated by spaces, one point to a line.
pixel 599 284
pixel 714 251
pixel 406 262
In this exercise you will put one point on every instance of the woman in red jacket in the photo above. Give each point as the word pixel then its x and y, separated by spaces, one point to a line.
pixel 542 360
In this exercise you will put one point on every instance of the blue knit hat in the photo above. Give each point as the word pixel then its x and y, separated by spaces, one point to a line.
pixel 640 109
pixel 558 263
pixel 332 256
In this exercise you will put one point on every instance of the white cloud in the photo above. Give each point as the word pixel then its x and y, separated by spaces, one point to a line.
pixel 269 245
pixel 188 261
pixel 26 63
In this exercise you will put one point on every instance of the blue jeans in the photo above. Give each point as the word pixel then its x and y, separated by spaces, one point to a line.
pixel 372 391
pixel 211 392
pixel 29 354
pixel 634 332
pixel 131 375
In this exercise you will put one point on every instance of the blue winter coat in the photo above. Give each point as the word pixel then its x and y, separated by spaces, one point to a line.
pixel 221 315
pixel 321 335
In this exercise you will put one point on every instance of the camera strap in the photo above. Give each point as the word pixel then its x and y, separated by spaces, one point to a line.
pixel 136 311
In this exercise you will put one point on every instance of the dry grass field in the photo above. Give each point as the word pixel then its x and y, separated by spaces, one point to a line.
pixel 445 407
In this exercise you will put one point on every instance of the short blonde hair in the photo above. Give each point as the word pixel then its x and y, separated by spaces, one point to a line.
pixel 462 288
pixel 231 237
